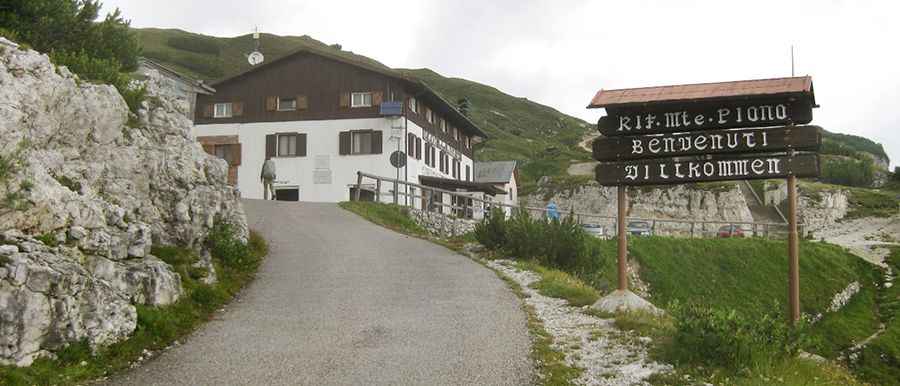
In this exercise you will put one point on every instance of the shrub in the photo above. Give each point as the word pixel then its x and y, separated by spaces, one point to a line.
pixel 100 70
pixel 565 245
pixel 226 247
pixel 729 339
pixel 491 232
pixel 525 236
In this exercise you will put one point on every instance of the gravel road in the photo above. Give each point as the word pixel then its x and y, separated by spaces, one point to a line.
pixel 341 301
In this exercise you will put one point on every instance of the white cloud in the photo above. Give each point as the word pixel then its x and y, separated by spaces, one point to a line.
pixel 561 52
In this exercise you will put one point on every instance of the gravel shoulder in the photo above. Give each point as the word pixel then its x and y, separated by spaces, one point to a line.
pixel 865 237
pixel 341 301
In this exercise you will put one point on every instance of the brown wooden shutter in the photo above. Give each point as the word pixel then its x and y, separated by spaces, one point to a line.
pixel 344 145
pixel 208 110
pixel 302 103
pixel 377 98
pixel 418 148
pixel 235 150
pixel 345 99
pixel 376 142
pixel 237 109
pixel 209 148
pixel 271 142
pixel 301 145
pixel 271 103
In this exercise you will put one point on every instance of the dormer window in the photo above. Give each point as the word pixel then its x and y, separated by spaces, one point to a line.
pixel 361 99
pixel 413 105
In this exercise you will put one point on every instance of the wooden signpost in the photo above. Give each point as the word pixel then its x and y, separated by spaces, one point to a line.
pixel 709 132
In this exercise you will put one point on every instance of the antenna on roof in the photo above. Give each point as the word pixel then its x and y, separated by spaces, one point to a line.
pixel 792 60
pixel 255 57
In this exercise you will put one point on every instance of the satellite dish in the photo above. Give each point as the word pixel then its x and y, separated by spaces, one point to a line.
pixel 255 58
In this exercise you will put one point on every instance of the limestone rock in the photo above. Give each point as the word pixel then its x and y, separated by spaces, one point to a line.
pixel 105 186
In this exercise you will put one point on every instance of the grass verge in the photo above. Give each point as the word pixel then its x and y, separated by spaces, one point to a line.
pixel 558 284
pixel 393 217
pixel 157 327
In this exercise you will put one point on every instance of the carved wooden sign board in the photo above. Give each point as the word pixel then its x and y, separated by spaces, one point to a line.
pixel 753 137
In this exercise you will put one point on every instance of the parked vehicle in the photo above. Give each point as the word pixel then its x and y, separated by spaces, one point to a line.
pixel 639 228
pixel 730 231
pixel 594 230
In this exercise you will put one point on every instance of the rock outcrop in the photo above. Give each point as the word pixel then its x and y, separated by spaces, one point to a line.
pixel 99 186
pixel 679 203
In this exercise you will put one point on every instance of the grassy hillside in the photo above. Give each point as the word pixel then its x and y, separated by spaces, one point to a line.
pixel 541 138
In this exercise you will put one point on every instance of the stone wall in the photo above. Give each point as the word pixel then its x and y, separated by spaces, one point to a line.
pixel 442 225
pixel 99 186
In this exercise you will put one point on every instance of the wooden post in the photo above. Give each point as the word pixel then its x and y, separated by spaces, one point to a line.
pixel 692 229
pixel 793 251
pixel 378 190
pixel 358 185
pixel 623 243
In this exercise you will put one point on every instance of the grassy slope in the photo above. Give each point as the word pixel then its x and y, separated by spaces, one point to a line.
pixel 543 139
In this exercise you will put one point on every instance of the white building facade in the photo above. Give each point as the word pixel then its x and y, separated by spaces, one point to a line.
pixel 322 119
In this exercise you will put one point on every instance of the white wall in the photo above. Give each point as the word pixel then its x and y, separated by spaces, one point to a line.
pixel 322 144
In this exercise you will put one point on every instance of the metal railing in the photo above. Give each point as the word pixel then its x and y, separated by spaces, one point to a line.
pixel 466 205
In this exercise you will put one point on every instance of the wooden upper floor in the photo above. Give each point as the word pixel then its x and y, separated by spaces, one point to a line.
pixel 311 85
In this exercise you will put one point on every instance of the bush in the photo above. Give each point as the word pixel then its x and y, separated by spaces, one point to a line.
pixel 106 71
pixel 729 339
pixel 194 44
pixel 226 247
pixel 491 232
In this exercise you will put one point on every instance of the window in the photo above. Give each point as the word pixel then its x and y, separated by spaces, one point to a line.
pixel 413 105
pixel 468 173
pixel 361 142
pixel 287 145
pixel 361 99
pixel 443 124
pixel 428 115
pixel 222 110
pixel 468 141
pixel 455 133
pixel 410 145
pixel 225 152
pixel 287 104
pixel 418 148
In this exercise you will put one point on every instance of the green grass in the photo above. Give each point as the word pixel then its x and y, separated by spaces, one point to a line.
pixel 558 284
pixel 880 360
pixel 157 327
pixel 394 217
pixel 790 372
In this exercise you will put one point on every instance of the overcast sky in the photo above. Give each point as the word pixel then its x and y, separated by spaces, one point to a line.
pixel 560 53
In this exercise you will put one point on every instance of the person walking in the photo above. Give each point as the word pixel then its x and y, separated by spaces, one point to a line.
pixel 267 176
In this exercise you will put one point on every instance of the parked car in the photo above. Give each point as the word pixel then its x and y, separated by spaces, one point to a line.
pixel 639 228
pixel 594 230
pixel 730 231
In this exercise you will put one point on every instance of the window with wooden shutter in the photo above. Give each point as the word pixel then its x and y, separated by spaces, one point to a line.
pixel 377 98
pixel 302 102
pixel 271 145
pixel 235 149
pixel 271 103
pixel 418 148
pixel 410 142
pixel 301 145
pixel 376 142
pixel 208 110
pixel 237 109
pixel 345 99
pixel 344 143
pixel 468 173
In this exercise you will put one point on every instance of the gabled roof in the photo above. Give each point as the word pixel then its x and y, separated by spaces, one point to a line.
pixel 801 85
pixel 495 172
pixel 423 91
pixel 201 87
